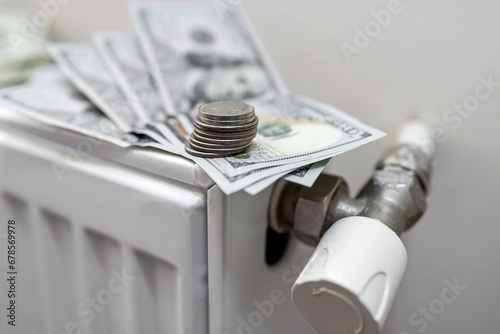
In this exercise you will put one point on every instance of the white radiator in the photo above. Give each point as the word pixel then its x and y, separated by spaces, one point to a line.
pixel 113 240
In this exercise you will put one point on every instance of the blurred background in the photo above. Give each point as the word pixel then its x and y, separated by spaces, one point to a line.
pixel 439 59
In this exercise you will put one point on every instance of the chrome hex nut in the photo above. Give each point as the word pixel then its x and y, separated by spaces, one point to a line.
pixel 312 206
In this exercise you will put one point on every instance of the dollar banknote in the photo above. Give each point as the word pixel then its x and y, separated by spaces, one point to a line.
pixel 297 129
pixel 123 57
pixel 57 102
pixel 84 68
pixel 199 54
pixel 230 184
pixel 82 65
pixel 263 184
pixel 283 128
pixel 293 128
pixel 305 176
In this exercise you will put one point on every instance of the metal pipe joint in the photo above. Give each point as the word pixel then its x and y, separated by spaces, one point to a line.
pixel 395 195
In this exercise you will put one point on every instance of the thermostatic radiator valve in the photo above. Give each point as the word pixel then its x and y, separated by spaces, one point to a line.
pixel 354 274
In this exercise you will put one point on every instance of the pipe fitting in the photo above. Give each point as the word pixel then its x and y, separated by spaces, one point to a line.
pixel 395 195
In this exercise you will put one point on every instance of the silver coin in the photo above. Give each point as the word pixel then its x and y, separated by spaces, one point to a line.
pixel 200 154
pixel 225 144
pixel 226 135
pixel 226 110
pixel 221 141
pixel 196 153
pixel 227 128
pixel 226 123
pixel 232 150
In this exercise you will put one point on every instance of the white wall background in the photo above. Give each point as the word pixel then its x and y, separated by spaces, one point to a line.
pixel 426 60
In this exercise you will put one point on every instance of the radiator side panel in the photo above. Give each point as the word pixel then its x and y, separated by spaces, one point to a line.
pixel 106 248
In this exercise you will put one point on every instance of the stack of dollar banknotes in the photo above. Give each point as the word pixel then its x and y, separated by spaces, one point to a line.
pixel 144 90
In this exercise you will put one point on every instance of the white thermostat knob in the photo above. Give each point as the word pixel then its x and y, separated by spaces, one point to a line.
pixel 352 278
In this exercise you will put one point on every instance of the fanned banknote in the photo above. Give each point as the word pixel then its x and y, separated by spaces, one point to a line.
pixel 305 176
pixel 123 57
pixel 199 54
pixel 57 102
pixel 293 128
pixel 294 131
pixel 308 174
pixel 84 68
pixel 82 65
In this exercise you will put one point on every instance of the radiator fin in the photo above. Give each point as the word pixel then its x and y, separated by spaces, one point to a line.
pixel 29 289
pixel 156 293
pixel 59 269
pixel 104 266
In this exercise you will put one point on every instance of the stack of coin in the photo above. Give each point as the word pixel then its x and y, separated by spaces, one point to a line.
pixel 222 129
